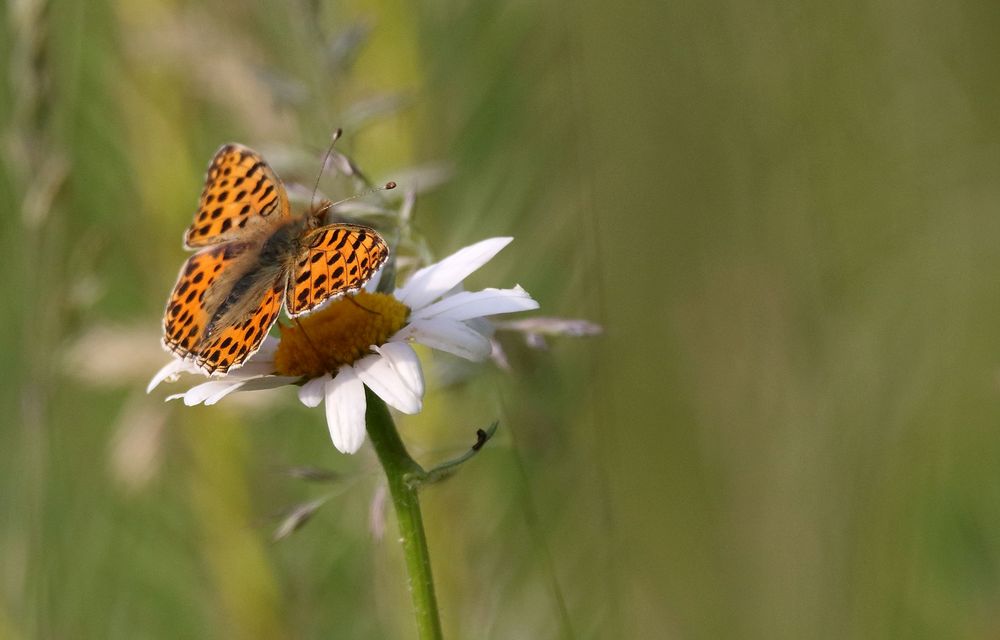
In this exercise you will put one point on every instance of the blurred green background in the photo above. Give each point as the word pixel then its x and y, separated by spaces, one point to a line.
pixel 784 214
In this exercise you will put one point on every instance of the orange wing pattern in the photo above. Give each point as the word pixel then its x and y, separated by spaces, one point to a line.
pixel 230 346
pixel 185 320
pixel 239 187
pixel 185 324
pixel 340 259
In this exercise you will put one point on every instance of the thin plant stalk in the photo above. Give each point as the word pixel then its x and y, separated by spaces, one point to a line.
pixel 402 473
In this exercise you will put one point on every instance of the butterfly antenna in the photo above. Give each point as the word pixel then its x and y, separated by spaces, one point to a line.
pixel 322 168
pixel 329 205
pixel 361 306
pixel 305 335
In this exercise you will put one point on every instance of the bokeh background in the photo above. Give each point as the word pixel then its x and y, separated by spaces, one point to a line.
pixel 785 216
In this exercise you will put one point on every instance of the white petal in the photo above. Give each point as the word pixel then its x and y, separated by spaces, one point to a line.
pixel 312 392
pixel 432 281
pixel 170 371
pixel 207 390
pixel 488 302
pixel 482 326
pixel 446 335
pixel 345 410
pixel 372 285
pixel 405 363
pixel 222 393
pixel 252 369
pixel 376 372
pixel 260 363
pixel 211 392
pixel 267 349
pixel 262 383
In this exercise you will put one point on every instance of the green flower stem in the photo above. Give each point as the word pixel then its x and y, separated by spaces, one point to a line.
pixel 400 468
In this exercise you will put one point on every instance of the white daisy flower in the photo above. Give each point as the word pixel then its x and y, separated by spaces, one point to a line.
pixel 364 340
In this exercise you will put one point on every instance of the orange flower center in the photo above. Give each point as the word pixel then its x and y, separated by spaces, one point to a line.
pixel 342 333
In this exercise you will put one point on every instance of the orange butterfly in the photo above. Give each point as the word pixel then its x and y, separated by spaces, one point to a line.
pixel 252 255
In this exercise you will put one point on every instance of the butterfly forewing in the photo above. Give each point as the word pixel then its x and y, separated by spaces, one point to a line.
pixel 339 259
pixel 186 318
pixel 241 192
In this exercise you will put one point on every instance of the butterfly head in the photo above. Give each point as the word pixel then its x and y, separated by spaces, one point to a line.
pixel 317 215
pixel 319 212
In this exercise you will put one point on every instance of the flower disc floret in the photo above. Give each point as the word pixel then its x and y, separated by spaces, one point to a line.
pixel 340 334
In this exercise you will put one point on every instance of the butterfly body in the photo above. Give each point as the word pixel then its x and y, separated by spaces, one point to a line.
pixel 286 240
pixel 253 257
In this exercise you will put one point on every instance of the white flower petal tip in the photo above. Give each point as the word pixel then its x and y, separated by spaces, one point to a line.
pixel 222 393
pixel 312 392
pixel 476 304
pixel 378 375
pixel 209 392
pixel 266 350
pixel 345 410
pixel 405 363
pixel 435 280
pixel 170 372
pixel 372 285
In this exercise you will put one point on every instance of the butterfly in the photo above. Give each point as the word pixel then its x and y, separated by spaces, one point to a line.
pixel 253 256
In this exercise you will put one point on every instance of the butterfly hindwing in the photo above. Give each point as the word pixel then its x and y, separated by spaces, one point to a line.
pixel 339 259
pixel 230 346
pixel 241 191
